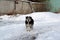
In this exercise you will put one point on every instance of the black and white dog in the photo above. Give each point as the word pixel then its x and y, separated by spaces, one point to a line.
pixel 29 23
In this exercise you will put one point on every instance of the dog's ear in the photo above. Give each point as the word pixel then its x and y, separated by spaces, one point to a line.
pixel 30 17
pixel 26 17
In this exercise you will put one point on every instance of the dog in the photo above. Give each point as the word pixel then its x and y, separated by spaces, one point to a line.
pixel 29 22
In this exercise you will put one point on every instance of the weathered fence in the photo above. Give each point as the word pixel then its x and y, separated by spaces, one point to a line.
pixel 23 7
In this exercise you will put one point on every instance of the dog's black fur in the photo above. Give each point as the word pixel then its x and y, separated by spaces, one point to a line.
pixel 29 21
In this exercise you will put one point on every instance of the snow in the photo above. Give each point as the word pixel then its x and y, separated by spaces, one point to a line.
pixel 46 27
pixel 52 35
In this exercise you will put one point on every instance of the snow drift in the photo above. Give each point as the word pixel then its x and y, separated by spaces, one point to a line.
pixel 46 27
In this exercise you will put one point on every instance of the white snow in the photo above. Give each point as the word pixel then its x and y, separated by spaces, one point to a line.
pixel 46 27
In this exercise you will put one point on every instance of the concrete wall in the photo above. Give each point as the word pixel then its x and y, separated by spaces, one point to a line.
pixel 6 6
pixel 23 8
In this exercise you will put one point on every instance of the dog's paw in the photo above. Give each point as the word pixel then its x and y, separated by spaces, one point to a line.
pixel 28 30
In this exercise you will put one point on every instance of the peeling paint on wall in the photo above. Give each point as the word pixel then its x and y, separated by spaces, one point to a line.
pixel 55 5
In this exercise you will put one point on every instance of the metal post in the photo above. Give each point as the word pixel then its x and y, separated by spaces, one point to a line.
pixel 15 2
pixel 30 3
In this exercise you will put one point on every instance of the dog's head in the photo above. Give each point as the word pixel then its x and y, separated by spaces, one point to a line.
pixel 28 18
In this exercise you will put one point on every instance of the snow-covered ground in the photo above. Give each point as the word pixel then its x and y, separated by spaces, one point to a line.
pixel 46 27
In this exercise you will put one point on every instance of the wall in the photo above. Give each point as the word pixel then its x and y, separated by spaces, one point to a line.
pixel 6 6
pixel 23 8
pixel 40 7
pixel 55 5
